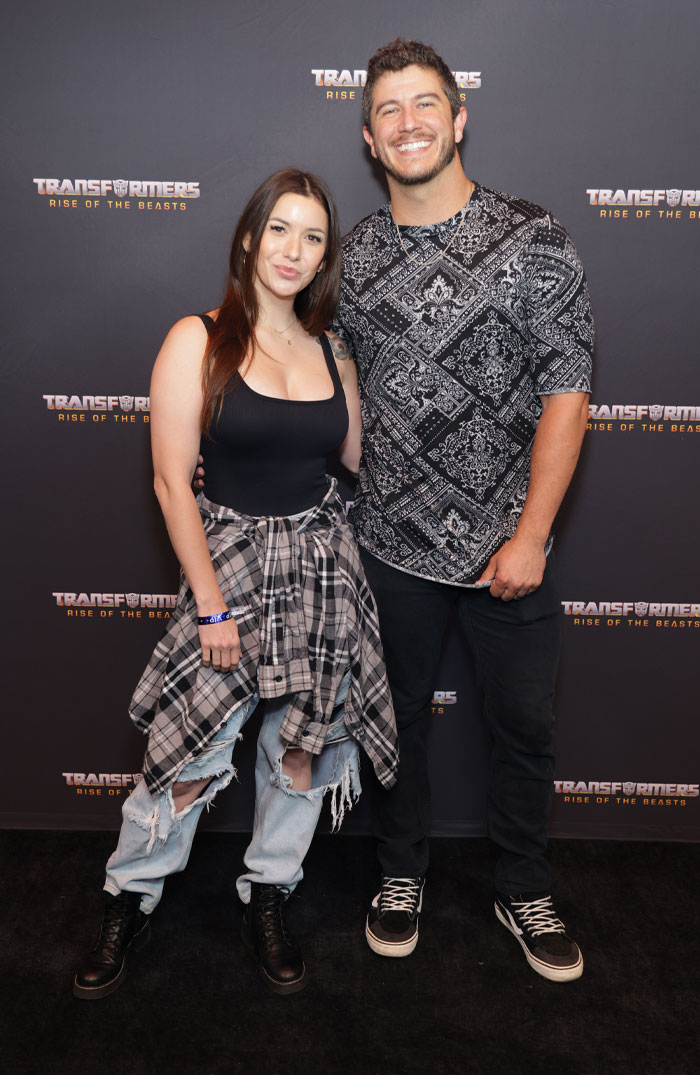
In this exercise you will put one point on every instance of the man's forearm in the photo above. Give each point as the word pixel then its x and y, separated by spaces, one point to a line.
pixel 555 452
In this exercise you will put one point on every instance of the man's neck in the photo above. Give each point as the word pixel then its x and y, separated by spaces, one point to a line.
pixel 432 202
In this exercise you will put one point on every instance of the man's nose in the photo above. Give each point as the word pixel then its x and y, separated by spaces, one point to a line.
pixel 408 121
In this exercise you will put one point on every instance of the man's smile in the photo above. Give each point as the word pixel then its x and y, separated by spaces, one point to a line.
pixel 411 147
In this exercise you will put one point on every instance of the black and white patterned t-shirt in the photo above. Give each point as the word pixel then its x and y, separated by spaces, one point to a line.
pixel 452 357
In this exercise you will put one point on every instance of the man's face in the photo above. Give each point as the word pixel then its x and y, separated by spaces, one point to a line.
pixel 413 133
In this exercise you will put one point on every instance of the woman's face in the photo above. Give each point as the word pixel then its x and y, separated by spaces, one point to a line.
pixel 292 247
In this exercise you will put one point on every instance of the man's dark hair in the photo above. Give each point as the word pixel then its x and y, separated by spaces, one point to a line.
pixel 402 53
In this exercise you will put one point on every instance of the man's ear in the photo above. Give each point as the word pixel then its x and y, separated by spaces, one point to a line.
pixel 459 123
pixel 367 135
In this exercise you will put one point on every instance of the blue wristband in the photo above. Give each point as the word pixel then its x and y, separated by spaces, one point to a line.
pixel 218 617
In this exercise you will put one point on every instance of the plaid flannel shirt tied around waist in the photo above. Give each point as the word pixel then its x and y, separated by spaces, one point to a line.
pixel 305 614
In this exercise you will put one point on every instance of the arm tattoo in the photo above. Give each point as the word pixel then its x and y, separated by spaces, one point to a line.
pixel 340 349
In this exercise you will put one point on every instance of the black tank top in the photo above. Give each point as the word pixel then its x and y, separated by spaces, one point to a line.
pixel 267 456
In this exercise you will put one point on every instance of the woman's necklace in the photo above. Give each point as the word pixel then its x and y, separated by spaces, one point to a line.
pixel 281 331
pixel 440 253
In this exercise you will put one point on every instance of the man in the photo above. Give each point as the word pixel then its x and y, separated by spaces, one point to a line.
pixel 467 313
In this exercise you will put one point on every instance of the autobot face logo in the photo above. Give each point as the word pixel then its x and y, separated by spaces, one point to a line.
pixel 655 411
pixel 673 197
pixel 628 788
pixel 121 187
pixel 133 600
pixel 126 403
pixel 641 608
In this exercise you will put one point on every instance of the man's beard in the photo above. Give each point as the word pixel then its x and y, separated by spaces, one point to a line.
pixel 446 157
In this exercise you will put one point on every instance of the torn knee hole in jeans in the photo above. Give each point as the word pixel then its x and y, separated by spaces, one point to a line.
pixel 333 770
pixel 165 817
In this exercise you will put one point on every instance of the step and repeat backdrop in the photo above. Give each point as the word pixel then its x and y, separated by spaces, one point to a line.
pixel 134 135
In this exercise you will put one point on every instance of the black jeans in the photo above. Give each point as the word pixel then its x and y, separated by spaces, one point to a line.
pixel 515 645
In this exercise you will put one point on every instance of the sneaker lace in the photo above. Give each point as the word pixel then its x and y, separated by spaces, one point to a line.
pixel 400 894
pixel 538 916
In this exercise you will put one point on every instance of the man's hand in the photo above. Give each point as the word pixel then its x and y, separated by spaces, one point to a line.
pixel 198 480
pixel 516 569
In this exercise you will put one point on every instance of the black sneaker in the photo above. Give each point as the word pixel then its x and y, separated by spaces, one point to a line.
pixel 392 922
pixel 548 949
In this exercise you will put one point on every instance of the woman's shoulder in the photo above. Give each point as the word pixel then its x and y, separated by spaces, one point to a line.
pixel 184 346
pixel 345 363
pixel 192 326
pixel 341 351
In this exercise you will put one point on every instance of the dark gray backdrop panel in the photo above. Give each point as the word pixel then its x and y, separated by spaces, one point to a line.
pixel 572 97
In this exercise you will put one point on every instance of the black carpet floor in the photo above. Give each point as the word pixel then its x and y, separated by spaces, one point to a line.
pixel 465 1002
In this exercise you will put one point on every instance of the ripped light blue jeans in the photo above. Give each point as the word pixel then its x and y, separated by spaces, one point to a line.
pixel 155 840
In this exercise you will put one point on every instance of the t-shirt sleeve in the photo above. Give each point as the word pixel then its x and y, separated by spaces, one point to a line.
pixel 559 318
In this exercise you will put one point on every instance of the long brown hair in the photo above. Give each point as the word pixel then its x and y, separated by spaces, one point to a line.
pixel 232 334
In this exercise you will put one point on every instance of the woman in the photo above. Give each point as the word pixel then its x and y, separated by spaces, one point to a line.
pixel 273 602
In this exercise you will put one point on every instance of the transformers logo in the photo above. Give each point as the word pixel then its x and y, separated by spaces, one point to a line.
pixel 96 403
pixel 65 599
pixel 628 787
pixel 102 780
pixel 627 608
pixel 331 76
pixel 640 411
pixel 672 197
pixel 132 188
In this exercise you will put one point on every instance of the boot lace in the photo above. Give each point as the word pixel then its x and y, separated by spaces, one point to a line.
pixel 537 916
pixel 273 930
pixel 400 894
pixel 115 923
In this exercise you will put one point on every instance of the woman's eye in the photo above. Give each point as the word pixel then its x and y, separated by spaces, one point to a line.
pixel 276 227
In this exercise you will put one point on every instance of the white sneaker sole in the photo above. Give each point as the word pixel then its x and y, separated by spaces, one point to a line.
pixel 554 974
pixel 392 950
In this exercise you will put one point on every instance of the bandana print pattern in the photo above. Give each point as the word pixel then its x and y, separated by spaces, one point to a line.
pixel 453 355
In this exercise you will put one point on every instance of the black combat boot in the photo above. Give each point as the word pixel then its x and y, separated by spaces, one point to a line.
pixel 124 926
pixel 280 961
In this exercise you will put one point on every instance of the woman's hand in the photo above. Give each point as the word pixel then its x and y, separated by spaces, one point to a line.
pixel 221 646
